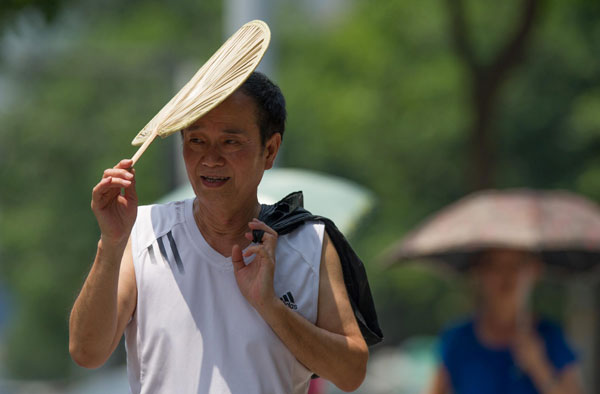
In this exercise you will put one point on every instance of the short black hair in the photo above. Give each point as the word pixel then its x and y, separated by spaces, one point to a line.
pixel 270 104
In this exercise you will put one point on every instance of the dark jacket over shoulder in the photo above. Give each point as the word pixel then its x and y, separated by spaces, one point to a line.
pixel 287 215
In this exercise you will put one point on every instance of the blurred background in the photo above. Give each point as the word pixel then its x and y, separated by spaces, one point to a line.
pixel 419 103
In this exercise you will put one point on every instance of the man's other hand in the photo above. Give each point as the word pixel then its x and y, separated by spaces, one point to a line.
pixel 255 280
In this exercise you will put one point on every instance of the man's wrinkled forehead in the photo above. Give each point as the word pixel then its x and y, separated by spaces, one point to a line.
pixel 230 116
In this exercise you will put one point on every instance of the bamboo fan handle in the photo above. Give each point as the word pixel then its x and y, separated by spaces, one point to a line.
pixel 144 146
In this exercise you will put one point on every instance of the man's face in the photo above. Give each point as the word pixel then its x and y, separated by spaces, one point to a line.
pixel 223 154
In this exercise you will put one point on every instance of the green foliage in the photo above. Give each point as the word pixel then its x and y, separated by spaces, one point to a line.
pixel 11 8
pixel 364 107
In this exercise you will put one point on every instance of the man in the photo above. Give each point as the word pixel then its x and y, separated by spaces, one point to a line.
pixel 203 309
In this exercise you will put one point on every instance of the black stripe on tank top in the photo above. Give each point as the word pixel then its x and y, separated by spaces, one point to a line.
pixel 163 251
pixel 175 253
pixel 151 253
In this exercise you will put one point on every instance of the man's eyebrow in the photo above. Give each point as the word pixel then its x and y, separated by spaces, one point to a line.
pixel 234 131
pixel 191 127
pixel 226 131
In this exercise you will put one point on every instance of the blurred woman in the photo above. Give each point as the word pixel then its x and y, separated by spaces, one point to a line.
pixel 503 348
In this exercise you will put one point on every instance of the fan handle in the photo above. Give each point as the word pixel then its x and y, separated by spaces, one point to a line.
pixel 143 148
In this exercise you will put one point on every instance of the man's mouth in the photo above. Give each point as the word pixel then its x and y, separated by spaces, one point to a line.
pixel 214 181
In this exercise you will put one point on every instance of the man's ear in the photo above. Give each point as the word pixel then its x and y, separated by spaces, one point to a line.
pixel 271 149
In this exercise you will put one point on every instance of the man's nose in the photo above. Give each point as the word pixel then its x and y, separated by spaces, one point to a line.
pixel 212 157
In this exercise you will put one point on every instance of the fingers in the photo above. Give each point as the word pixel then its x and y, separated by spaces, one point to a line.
pixel 131 192
pixel 266 248
pixel 109 184
pixel 119 173
pixel 125 164
pixel 236 258
pixel 121 176
pixel 122 171
pixel 257 250
pixel 270 235
pixel 108 188
pixel 113 181
pixel 104 193
pixel 256 224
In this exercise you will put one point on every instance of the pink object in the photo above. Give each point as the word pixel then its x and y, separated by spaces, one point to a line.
pixel 317 386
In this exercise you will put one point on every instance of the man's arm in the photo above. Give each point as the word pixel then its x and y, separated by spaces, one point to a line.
pixel 108 297
pixel 333 348
pixel 103 307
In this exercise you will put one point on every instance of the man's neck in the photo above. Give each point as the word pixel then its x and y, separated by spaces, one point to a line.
pixel 224 226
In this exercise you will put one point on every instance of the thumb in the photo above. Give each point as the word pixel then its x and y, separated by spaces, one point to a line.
pixel 236 258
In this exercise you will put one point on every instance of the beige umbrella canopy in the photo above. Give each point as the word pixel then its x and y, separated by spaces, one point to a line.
pixel 562 226
pixel 220 76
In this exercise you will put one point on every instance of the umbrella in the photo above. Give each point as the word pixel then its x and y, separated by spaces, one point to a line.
pixel 563 227
pixel 338 199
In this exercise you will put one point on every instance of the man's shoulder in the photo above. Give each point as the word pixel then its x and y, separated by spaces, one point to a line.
pixel 156 220
pixel 170 210
pixel 163 207
pixel 306 233
pixel 306 241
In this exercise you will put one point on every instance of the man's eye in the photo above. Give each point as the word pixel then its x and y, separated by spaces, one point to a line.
pixel 196 141
pixel 231 142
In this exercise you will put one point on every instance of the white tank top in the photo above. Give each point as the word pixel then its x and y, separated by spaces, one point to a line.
pixel 193 331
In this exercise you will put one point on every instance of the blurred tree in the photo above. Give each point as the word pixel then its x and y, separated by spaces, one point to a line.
pixel 13 11
pixel 486 79
pixel 9 9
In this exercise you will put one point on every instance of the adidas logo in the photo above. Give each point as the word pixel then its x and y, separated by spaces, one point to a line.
pixel 288 299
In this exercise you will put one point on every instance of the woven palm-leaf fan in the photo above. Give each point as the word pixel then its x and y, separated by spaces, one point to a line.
pixel 219 77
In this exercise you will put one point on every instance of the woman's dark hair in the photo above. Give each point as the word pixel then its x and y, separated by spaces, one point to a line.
pixel 270 104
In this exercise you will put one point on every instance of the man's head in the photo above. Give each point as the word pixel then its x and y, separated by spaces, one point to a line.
pixel 270 104
pixel 227 150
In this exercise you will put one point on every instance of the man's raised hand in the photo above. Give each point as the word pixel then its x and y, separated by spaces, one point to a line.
pixel 116 211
